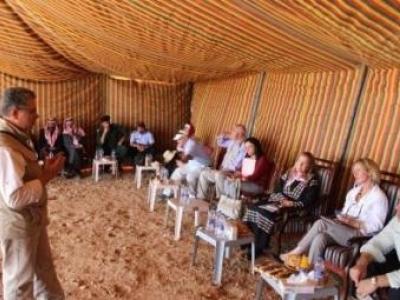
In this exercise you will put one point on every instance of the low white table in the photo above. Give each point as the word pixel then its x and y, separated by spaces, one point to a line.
pixel 291 292
pixel 194 205
pixel 221 245
pixel 139 174
pixel 155 186
pixel 99 163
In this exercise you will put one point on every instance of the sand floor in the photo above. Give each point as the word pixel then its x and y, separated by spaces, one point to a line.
pixel 106 245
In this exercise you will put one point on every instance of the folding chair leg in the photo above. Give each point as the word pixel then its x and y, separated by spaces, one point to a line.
pixel 259 289
pixel 195 246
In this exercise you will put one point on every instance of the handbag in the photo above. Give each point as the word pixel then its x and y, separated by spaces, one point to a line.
pixel 230 207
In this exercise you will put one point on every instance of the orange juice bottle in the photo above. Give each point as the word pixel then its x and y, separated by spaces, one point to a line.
pixel 304 263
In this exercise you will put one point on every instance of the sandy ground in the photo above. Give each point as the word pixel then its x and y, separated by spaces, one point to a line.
pixel 106 245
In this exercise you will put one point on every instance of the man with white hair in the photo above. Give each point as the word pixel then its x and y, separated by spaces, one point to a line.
pixel 232 162
pixel 28 271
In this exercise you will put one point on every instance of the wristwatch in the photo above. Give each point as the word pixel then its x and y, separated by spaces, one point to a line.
pixel 374 281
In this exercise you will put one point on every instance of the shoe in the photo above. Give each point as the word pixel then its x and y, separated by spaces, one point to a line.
pixel 69 174
pixel 284 257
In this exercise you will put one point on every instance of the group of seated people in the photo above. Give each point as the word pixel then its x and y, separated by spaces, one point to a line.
pixel 110 138
pixel 245 169
pixel 364 212
pixel 68 139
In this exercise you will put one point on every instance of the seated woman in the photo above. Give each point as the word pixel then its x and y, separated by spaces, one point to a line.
pixel 252 177
pixel 50 140
pixel 72 138
pixel 363 214
pixel 297 188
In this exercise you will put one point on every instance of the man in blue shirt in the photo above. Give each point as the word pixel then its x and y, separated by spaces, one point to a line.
pixel 232 162
pixel 141 143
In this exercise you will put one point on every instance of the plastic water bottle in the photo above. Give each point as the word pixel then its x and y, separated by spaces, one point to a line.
pixel 184 195
pixel 319 269
pixel 219 225
pixel 148 159
pixel 163 174
pixel 113 155
pixel 211 220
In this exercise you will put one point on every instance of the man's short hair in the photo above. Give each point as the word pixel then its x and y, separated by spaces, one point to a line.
pixel 15 97
pixel 141 125
pixel 105 118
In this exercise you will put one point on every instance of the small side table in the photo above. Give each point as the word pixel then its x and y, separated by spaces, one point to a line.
pixel 195 205
pixel 98 163
pixel 139 174
pixel 290 292
pixel 221 245
pixel 155 186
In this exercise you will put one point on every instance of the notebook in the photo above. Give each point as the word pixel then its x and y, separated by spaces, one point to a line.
pixel 248 166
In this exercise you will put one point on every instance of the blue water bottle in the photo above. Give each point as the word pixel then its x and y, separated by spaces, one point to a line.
pixel 319 269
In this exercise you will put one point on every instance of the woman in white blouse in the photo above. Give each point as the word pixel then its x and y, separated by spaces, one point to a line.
pixel 363 214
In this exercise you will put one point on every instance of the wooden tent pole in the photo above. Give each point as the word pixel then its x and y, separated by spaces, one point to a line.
pixel 255 105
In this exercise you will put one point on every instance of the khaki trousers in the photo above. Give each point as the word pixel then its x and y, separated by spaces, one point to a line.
pixel 28 270
pixel 207 177
pixel 323 233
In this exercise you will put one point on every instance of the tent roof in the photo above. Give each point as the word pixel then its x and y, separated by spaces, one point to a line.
pixel 175 40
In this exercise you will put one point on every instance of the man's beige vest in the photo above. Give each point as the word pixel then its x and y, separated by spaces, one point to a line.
pixel 24 222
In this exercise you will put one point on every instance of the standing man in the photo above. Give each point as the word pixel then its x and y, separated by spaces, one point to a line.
pixel 142 143
pixel 232 162
pixel 28 270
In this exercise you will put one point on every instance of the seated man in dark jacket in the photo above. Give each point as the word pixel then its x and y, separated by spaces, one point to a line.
pixel 111 137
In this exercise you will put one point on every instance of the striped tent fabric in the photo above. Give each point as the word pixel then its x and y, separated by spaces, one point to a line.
pixel 377 124
pixel 24 54
pixel 317 112
pixel 353 29
pixel 292 71
pixel 163 107
pixel 218 105
pixel 80 99
pixel 306 112
pixel 180 41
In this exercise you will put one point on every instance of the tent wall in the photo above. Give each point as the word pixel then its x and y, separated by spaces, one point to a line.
pixel 163 108
pixel 335 115
pixel 80 99
pixel 217 105
pixel 306 112
pixel 376 131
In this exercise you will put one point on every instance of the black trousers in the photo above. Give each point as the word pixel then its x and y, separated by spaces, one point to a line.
pixel 138 157
pixel 261 237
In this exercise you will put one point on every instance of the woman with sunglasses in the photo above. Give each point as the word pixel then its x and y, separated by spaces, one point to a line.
pixel 363 214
